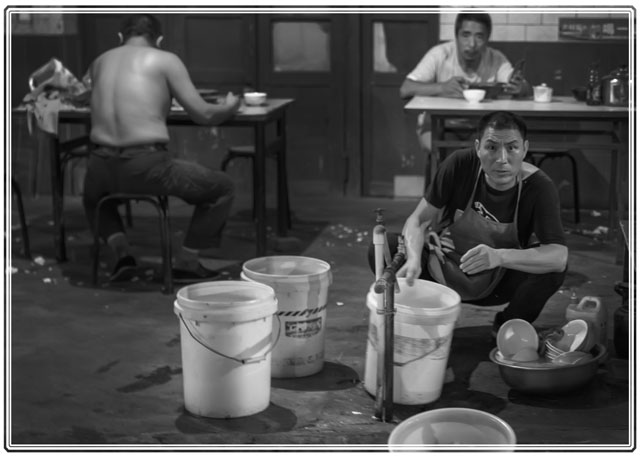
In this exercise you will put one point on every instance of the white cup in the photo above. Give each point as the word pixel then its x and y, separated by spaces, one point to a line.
pixel 542 93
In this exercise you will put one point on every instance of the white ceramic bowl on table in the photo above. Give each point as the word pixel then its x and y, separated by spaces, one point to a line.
pixel 474 95
pixel 255 98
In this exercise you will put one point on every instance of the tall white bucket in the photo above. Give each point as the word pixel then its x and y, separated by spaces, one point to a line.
pixel 423 327
pixel 301 285
pixel 226 341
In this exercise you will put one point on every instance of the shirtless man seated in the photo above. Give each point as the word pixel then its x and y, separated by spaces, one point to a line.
pixel 132 89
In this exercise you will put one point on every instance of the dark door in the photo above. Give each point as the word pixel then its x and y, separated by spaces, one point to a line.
pixel 303 57
pixel 392 45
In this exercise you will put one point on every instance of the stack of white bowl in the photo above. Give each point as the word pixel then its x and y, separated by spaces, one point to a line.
pixel 576 336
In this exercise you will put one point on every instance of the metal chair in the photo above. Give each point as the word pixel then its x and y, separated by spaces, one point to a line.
pixel 161 203
pixel 248 152
pixel 26 249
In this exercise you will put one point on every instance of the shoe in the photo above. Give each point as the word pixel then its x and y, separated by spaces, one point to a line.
pixel 200 274
pixel 124 270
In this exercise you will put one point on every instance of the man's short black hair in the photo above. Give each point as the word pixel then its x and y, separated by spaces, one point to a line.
pixel 502 120
pixel 141 25
pixel 482 18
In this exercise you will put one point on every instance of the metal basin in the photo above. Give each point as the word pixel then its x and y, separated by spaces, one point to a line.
pixel 545 379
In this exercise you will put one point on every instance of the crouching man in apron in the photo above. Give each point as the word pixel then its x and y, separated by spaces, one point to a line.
pixel 489 226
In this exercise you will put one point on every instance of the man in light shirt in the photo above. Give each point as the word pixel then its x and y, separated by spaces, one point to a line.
pixel 449 68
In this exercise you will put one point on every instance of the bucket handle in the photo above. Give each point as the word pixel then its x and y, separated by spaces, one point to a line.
pixel 242 361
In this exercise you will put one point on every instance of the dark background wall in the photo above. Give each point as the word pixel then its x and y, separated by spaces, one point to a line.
pixel 348 132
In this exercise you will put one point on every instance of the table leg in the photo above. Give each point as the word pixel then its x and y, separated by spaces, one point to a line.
pixel 283 192
pixel 57 199
pixel 613 193
pixel 260 193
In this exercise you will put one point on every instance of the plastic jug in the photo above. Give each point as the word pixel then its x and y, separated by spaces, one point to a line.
pixel 591 310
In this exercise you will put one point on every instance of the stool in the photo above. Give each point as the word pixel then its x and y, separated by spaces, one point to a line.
pixel 545 154
pixel 249 152
pixel 26 249
pixel 161 203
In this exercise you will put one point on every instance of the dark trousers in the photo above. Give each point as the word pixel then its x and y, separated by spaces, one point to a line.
pixel 150 169
pixel 526 293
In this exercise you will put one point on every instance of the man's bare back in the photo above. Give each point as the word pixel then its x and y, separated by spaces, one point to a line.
pixel 130 97
pixel 132 87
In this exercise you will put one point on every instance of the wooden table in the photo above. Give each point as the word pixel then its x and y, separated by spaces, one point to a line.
pixel 607 122
pixel 256 117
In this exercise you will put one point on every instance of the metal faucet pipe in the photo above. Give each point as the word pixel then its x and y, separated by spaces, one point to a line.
pixel 386 285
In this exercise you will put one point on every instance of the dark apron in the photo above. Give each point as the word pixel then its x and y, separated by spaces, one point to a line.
pixel 468 230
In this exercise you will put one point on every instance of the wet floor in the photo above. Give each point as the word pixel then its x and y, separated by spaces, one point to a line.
pixel 101 365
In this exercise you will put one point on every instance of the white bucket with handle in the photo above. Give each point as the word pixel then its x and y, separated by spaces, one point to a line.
pixel 425 316
pixel 301 285
pixel 226 342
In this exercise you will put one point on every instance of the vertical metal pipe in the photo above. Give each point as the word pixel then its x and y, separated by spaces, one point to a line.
pixel 388 353
pixel 386 285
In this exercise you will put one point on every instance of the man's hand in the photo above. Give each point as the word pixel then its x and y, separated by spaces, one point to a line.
pixel 232 101
pixel 479 259
pixel 410 270
pixel 453 87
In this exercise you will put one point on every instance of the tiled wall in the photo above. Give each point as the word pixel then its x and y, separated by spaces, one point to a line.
pixel 521 26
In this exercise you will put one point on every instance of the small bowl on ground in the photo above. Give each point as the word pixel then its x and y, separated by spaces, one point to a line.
pixel 474 95
pixel 255 98
pixel 547 378
pixel 449 427
pixel 515 335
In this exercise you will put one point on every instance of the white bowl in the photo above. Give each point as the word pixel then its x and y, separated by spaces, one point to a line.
pixel 451 426
pixel 474 95
pixel 515 335
pixel 575 336
pixel 255 98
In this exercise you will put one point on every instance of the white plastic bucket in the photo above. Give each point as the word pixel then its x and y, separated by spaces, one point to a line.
pixel 450 427
pixel 301 285
pixel 226 341
pixel 423 327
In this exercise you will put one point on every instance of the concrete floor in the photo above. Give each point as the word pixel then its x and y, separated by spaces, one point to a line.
pixel 100 367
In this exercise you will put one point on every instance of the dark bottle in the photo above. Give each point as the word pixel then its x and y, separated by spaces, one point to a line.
pixel 594 87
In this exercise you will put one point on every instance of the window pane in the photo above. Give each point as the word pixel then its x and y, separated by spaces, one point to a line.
pixel 381 62
pixel 301 46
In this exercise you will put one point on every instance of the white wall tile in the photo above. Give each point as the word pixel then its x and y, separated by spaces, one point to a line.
pixel 592 15
pixel 541 33
pixel 447 33
pixel 508 33
pixel 524 18
pixel 499 18
pixel 551 19
pixel 447 19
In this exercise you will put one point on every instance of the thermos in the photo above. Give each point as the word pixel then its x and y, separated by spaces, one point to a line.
pixel 591 310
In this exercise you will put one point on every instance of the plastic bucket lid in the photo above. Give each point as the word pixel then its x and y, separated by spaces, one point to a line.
pixel 228 301
pixel 424 298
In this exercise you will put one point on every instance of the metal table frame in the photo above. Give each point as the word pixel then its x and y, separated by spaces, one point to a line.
pixel 561 110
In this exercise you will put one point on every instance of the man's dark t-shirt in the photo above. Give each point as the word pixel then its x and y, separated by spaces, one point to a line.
pixel 539 210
